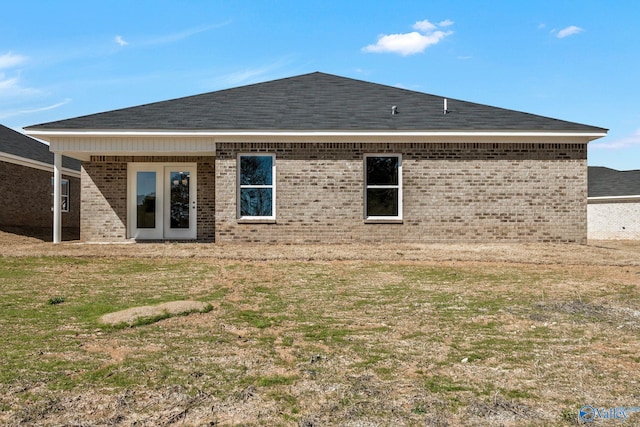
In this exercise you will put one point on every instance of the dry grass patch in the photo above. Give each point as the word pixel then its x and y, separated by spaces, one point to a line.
pixel 353 341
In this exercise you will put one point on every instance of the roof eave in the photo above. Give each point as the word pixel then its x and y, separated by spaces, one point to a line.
pixel 613 199
pixel 47 133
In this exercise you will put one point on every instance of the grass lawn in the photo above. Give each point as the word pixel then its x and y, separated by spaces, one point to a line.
pixel 316 343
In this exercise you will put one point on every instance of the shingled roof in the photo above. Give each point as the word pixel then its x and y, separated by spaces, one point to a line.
pixel 314 102
pixel 17 144
pixel 606 182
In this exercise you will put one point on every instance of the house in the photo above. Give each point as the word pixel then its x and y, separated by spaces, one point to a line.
pixel 613 204
pixel 26 172
pixel 323 158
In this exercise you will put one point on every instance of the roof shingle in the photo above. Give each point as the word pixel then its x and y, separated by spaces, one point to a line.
pixel 315 101
pixel 17 144
pixel 606 182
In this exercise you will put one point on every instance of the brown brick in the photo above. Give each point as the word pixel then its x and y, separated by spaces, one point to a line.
pixel 452 192
pixel 27 199
pixel 104 195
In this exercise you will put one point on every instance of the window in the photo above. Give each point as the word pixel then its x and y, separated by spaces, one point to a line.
pixel 383 187
pixel 256 188
pixel 64 194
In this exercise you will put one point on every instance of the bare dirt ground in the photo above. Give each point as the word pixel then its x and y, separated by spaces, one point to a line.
pixel 132 315
pixel 596 253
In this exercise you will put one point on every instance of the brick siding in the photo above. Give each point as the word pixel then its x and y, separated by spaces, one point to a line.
pixel 104 201
pixel 452 192
pixel 104 195
pixel 618 219
pixel 27 200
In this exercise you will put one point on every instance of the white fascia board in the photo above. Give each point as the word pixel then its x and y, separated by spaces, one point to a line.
pixel 319 133
pixel 613 198
pixel 35 164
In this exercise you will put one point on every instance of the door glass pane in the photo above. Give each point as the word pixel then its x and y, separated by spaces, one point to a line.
pixel 179 203
pixel 146 199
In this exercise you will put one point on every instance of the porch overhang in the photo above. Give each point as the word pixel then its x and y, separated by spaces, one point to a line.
pixel 83 145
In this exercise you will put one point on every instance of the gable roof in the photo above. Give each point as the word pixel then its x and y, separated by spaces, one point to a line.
pixel 315 102
pixel 606 182
pixel 17 144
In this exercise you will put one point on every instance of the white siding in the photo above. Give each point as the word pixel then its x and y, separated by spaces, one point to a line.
pixel 616 220
pixel 83 147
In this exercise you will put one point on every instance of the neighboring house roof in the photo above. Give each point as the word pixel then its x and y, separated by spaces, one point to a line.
pixel 17 144
pixel 605 182
pixel 315 102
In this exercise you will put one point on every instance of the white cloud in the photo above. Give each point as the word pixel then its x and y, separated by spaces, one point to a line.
pixel 16 98
pixel 245 76
pixel 569 31
pixel 10 87
pixel 251 75
pixel 618 144
pixel 424 26
pixel 47 108
pixel 7 83
pixel 13 112
pixel 405 44
pixel 161 39
pixel 181 35
pixel 120 41
pixel 10 60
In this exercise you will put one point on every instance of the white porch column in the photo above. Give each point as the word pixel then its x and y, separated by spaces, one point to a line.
pixel 57 197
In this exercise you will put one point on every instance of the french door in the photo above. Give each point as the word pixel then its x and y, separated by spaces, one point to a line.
pixel 162 201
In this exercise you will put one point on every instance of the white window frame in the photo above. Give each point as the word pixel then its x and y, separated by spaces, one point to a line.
pixel 381 218
pixel 64 194
pixel 272 186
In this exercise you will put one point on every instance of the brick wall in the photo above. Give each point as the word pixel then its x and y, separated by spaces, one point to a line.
pixel 104 195
pixel 614 220
pixel 27 200
pixel 104 201
pixel 452 192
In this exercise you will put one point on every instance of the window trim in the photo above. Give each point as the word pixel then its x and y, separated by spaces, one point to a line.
pixel 65 190
pixel 376 219
pixel 256 219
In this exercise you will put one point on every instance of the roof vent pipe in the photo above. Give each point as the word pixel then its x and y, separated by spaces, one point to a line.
pixel 394 110
pixel 445 110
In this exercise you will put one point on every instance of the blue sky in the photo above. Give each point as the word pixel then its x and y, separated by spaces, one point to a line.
pixel 572 60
